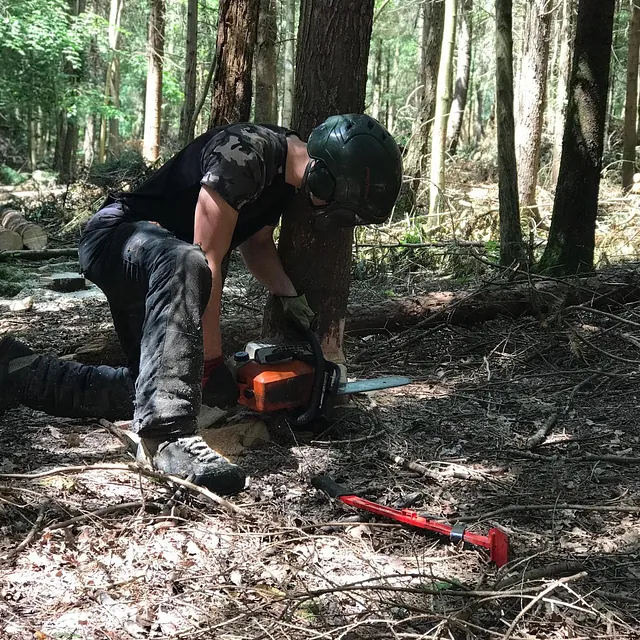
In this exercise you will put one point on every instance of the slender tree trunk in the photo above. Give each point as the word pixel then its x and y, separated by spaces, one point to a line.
pixel 443 102
pixel 331 76
pixel 631 99
pixel 187 120
pixel 31 141
pixel 463 68
pixel 153 101
pixel 564 70
pixel 478 124
pixel 571 243
pixel 377 78
pixel 289 61
pixel 511 247
pixel 533 86
pixel 109 126
pixel 237 32
pixel 266 98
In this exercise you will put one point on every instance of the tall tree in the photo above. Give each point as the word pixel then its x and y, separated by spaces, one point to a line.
pixel 571 242
pixel 187 119
pixel 153 101
pixel 532 97
pixel 266 94
pixel 237 32
pixel 631 99
pixel 109 124
pixel 566 9
pixel 511 247
pixel 289 61
pixel 443 102
pixel 430 50
pixel 331 76
pixel 463 68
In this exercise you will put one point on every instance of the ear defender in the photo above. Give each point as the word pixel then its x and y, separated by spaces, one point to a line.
pixel 320 182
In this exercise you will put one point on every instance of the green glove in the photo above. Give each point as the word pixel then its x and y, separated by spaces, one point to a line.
pixel 297 309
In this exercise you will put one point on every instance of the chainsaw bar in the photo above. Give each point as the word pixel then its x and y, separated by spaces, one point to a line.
pixel 374 384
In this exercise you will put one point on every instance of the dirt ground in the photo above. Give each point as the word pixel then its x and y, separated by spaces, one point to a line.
pixel 86 552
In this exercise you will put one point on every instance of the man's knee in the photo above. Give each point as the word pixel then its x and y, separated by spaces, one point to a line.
pixel 192 265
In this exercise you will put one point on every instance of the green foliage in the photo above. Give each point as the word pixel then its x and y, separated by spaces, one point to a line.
pixel 10 176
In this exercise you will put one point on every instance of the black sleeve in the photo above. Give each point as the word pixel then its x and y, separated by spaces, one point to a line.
pixel 234 167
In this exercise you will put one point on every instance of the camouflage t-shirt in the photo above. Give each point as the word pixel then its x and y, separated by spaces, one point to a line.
pixel 244 163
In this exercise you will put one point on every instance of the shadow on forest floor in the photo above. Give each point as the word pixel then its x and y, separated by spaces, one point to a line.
pixel 300 566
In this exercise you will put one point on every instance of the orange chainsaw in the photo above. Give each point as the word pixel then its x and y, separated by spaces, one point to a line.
pixel 296 378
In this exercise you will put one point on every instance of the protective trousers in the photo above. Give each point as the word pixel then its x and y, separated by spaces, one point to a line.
pixel 158 287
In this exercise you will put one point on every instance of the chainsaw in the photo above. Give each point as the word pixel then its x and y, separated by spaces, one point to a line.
pixel 296 378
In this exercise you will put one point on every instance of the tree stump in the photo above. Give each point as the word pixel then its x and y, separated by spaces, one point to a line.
pixel 33 235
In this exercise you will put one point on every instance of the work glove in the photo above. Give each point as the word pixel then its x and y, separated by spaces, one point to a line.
pixel 219 389
pixel 297 309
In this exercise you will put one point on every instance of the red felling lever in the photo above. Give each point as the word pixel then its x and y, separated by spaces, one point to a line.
pixel 496 542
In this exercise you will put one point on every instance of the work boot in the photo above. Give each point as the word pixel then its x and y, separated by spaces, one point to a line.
pixel 191 457
pixel 10 350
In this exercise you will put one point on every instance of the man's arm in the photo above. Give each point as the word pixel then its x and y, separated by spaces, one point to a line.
pixel 261 257
pixel 214 223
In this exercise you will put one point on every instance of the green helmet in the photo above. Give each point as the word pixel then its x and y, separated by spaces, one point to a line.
pixel 356 167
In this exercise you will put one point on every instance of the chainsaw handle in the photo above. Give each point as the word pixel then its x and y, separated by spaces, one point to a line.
pixel 318 382
pixel 330 486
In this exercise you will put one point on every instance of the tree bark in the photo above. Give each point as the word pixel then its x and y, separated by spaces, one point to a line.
pixel 109 125
pixel 443 102
pixel 564 71
pixel 289 62
pixel 570 246
pixel 331 76
pixel 153 101
pixel 266 98
pixel 533 97
pixel 237 32
pixel 511 247
pixel 377 78
pixel 631 99
pixel 431 48
pixel 463 68
pixel 187 119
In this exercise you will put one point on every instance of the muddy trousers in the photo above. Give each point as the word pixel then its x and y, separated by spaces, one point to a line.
pixel 158 287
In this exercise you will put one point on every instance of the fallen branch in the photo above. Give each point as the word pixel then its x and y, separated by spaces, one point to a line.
pixel 30 536
pixel 45 254
pixel 541 434
pixel 560 506
pixel 552 587
pixel 123 506
pixel 132 468
pixel 550 571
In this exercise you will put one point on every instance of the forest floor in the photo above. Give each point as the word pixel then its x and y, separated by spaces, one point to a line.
pixel 295 564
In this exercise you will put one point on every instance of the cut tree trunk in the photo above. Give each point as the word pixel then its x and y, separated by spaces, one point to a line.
pixel 33 236
pixel 10 240
pixel 462 308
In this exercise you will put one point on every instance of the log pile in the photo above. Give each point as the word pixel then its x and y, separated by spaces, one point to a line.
pixel 27 234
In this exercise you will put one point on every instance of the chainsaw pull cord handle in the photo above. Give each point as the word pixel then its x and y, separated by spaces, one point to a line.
pixel 318 381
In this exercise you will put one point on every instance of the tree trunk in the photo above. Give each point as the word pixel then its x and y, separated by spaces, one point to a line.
pixel 631 100
pixel 463 68
pixel 289 61
pixel 377 79
pixel 478 123
pixel 153 100
pixel 109 126
pixel 443 102
pixel 266 98
pixel 511 247
pixel 33 236
pixel 331 76
pixel 187 120
pixel 570 246
pixel 533 96
pixel 237 32
pixel 564 71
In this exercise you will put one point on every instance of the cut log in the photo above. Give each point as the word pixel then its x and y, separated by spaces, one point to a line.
pixel 10 240
pixel 33 235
